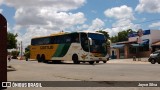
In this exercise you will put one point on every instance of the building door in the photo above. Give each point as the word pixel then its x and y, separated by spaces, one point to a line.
pixel 113 56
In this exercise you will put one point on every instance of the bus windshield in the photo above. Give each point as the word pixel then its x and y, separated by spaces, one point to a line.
pixel 98 43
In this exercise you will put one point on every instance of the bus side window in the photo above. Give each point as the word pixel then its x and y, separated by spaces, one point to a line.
pixel 67 39
pixel 74 37
pixel 84 42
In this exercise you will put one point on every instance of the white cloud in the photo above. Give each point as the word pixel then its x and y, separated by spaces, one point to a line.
pixel 57 5
pixel 97 24
pixel 150 6
pixel 47 18
pixel 122 12
pixel 82 27
pixel 44 17
pixel 124 17
pixel 8 27
pixel 155 25
pixel 1 10
pixel 33 31
pixel 114 30
pixel 1 1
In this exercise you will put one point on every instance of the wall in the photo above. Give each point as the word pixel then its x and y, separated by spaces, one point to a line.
pixel 155 35
pixel 3 50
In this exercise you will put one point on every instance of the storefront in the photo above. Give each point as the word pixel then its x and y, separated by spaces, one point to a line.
pixel 156 46
pixel 139 44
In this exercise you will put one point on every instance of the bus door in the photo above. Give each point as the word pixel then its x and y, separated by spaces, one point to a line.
pixel 84 42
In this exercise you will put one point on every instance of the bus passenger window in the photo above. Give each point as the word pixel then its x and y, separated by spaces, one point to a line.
pixel 84 42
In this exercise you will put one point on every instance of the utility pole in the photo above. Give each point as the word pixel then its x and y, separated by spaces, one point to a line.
pixel 21 51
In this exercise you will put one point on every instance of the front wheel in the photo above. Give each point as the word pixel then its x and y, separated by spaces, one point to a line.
pixel 158 62
pixel 153 61
pixel 75 59
pixel 38 58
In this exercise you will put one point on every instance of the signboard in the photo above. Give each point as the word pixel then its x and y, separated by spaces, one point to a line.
pixel 3 50
pixel 140 32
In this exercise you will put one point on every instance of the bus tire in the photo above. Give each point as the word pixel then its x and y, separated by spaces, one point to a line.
pixel 104 61
pixel 75 59
pixel 38 58
pixel 91 62
pixel 43 58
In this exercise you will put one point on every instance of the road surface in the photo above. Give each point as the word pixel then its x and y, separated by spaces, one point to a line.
pixel 34 71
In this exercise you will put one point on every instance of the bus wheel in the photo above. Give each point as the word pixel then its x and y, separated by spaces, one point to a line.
pixel 75 59
pixel 104 61
pixel 43 58
pixel 91 62
pixel 38 58
pixel 97 61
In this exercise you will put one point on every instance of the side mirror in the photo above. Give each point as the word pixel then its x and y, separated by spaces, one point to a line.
pixel 90 41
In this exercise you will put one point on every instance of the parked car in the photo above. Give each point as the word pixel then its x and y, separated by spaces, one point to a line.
pixel 155 57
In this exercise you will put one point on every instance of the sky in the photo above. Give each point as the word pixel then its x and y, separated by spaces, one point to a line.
pixel 32 18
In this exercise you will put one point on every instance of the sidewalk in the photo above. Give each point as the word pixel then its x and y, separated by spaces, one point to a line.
pixel 129 61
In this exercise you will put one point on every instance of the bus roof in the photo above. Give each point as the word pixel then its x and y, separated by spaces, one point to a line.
pixel 63 33
pixel 55 34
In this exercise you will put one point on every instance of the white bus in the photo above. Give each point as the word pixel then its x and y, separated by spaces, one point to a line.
pixel 77 46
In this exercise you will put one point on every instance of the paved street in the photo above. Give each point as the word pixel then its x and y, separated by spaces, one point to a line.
pixel 111 71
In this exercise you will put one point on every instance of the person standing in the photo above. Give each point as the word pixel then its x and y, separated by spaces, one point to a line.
pixel 9 57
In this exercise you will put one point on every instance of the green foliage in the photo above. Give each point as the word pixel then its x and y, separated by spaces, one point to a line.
pixel 11 40
pixel 27 52
pixel 105 33
pixel 114 39
pixel 15 54
pixel 122 36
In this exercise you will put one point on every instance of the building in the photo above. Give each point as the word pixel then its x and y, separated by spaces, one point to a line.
pixel 139 44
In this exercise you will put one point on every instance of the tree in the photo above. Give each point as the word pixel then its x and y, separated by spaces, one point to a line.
pixel 27 52
pixel 114 39
pixel 11 40
pixel 122 36
pixel 105 33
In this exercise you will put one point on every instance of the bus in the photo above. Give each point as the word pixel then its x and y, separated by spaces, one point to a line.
pixel 76 46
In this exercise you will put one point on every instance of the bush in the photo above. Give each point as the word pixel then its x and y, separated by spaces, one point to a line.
pixel 27 54
pixel 15 54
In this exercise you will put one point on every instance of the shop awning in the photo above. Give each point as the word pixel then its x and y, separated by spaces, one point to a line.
pixel 118 46
pixel 145 42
